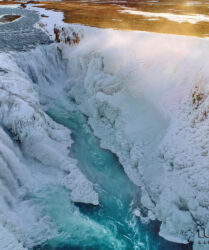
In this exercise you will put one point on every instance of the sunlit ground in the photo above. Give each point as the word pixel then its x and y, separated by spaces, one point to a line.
pixel 110 14
pixel 113 14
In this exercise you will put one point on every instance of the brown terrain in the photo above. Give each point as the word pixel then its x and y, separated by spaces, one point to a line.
pixel 106 14
pixel 9 18
pixel 6 2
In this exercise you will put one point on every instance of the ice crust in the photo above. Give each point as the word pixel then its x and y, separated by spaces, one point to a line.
pixel 146 96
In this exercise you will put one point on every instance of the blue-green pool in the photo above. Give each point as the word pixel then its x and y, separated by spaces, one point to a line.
pixel 112 225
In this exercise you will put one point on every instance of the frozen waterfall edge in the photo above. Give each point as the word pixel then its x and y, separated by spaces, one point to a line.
pixel 150 112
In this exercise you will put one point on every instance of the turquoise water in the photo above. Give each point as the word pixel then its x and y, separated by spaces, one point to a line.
pixel 112 224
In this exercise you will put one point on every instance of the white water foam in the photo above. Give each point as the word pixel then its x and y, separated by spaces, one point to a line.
pixel 39 137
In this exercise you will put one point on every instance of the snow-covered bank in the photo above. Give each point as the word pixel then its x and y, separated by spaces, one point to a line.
pixel 40 138
pixel 146 98
pixel 48 19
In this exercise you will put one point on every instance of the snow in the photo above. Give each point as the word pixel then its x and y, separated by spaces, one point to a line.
pixel 50 19
pixel 193 19
pixel 15 180
pixel 9 6
pixel 8 241
pixel 150 111
pixel 22 222
pixel 40 138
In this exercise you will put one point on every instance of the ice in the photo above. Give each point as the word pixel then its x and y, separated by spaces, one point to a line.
pixel 50 19
pixel 15 181
pixel 8 241
pixel 9 6
pixel 30 131
pixel 146 99
pixel 40 137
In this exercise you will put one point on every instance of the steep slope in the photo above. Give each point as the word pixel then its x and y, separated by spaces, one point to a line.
pixel 147 100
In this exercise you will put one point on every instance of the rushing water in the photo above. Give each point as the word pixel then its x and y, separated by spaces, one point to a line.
pixel 118 196
pixel 111 225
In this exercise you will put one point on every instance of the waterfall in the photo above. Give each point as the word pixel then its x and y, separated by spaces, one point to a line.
pixel 112 91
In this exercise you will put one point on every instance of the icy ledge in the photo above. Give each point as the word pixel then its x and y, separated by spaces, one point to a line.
pixel 39 136
pixel 147 100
